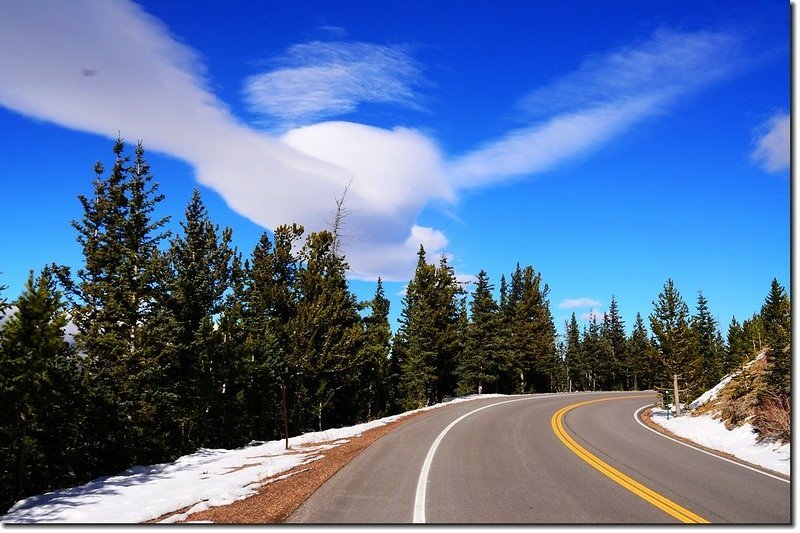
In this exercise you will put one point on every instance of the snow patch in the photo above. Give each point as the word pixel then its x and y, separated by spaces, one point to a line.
pixel 740 442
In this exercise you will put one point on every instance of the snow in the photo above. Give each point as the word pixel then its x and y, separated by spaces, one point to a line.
pixel 739 442
pixel 204 479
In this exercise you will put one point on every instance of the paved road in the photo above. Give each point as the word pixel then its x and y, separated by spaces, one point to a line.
pixel 506 464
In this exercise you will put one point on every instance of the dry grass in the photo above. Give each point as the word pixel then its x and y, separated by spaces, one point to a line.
pixel 773 418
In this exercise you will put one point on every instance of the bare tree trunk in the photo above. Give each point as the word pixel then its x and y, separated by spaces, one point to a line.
pixel 677 395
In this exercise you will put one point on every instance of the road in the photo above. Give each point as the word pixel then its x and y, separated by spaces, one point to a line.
pixel 547 459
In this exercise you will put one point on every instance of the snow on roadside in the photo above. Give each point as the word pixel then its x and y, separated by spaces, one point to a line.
pixel 739 442
pixel 711 432
pixel 204 479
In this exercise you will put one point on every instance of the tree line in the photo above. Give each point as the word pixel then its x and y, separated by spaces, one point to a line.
pixel 182 342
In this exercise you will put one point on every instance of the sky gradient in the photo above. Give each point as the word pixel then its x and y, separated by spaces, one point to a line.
pixel 609 146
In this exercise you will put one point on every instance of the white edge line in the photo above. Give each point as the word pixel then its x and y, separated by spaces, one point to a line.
pixel 422 484
pixel 636 417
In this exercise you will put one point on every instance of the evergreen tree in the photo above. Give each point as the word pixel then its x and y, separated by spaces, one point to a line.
pixel 597 352
pixel 642 358
pixel 450 344
pixel 3 301
pixel 776 314
pixel 231 373
pixel 533 331
pixel 737 350
pixel 271 296
pixel 509 380
pixel 116 311
pixel 328 334
pixel 710 347
pixel 573 357
pixel 754 335
pixel 480 363
pixel 40 421
pixel 200 266
pixel 615 374
pixel 669 322
pixel 416 347
pixel 375 370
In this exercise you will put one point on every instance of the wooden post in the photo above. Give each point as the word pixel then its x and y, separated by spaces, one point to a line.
pixel 285 414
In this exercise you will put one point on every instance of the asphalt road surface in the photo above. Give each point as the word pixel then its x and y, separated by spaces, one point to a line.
pixel 548 459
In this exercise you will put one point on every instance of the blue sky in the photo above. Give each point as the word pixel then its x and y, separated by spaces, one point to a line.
pixel 609 145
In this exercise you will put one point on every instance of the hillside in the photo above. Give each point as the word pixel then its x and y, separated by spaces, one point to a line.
pixel 729 418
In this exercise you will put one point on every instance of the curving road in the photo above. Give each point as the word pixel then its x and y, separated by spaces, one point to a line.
pixel 549 459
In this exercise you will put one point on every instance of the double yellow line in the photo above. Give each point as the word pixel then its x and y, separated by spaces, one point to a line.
pixel 668 506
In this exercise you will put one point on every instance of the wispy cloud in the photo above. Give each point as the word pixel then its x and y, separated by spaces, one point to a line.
pixel 603 98
pixel 772 151
pixel 575 303
pixel 668 63
pixel 319 80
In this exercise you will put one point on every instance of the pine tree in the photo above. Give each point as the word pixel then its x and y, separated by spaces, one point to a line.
pixel 375 370
pixel 573 357
pixel 669 322
pixel 754 334
pixel 597 352
pixel 480 363
pixel 416 347
pixel 449 343
pixel 710 348
pixel 615 375
pixel 328 334
pixel 200 266
pixel 509 380
pixel 271 296
pixel 737 350
pixel 776 314
pixel 3 301
pixel 38 376
pixel 117 307
pixel 231 372
pixel 642 357
pixel 533 332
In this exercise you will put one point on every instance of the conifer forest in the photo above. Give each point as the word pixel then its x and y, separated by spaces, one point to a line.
pixel 162 342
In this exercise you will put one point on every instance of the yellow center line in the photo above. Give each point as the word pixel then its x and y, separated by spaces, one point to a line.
pixel 666 505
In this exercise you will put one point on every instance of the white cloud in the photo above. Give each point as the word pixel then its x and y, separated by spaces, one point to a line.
pixel 147 85
pixel 108 66
pixel 574 303
pixel 319 80
pixel 772 152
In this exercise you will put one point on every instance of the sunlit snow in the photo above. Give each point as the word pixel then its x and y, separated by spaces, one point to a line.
pixel 739 442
